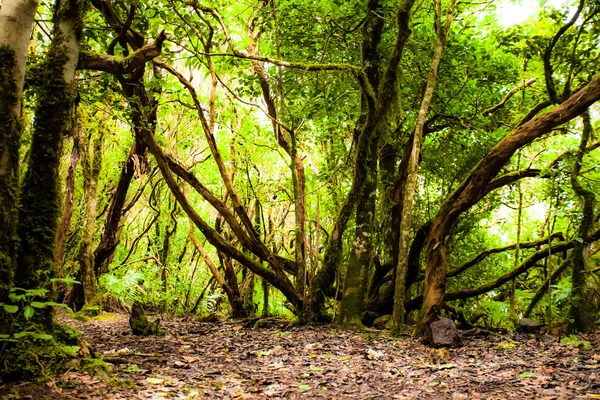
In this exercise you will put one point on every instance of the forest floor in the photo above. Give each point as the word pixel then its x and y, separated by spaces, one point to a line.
pixel 230 361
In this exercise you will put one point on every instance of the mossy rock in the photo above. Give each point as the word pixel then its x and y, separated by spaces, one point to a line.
pixel 138 321
pixel 90 311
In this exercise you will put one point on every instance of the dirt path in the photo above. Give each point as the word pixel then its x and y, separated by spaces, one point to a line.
pixel 228 361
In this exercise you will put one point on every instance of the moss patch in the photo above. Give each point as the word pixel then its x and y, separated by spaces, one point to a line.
pixel 138 321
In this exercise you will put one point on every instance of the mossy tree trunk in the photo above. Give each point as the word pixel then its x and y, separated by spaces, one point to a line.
pixel 365 175
pixel 91 158
pixel 579 318
pixel 379 102
pixel 68 207
pixel 40 199
pixel 410 186
pixel 16 21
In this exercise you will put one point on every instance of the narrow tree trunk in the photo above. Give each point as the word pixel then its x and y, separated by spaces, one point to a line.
pixel 69 204
pixel 265 289
pixel 110 234
pixel 229 287
pixel 92 150
pixel 442 30
pixel 546 285
pixel 579 318
pixel 247 291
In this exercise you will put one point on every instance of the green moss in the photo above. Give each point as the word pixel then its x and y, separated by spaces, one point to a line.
pixel 108 317
pixel 95 367
pixel 90 311
pixel 138 321
pixel 116 383
pixel 10 132
pixel 34 360
pixel 40 195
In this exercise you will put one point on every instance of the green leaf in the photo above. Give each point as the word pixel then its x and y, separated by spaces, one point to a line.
pixel 43 336
pixel 155 381
pixel 133 368
pixel 526 374
pixel 28 312
pixel 38 304
pixel 304 387
pixel 433 384
pixel 11 309
pixel 315 369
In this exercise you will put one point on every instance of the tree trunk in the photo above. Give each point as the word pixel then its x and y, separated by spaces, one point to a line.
pixel 111 231
pixel 579 318
pixel 265 289
pixel 546 286
pixel 472 190
pixel 409 191
pixel 92 150
pixel 40 202
pixel 69 205
pixel 361 254
pixel 229 283
pixel 16 21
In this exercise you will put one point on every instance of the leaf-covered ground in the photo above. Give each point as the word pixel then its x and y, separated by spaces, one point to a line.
pixel 230 361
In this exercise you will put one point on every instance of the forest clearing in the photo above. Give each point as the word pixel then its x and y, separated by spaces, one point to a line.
pixel 234 360
pixel 299 198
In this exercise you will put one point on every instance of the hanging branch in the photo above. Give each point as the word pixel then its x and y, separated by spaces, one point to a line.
pixel 548 69
pixel 525 266
pixel 510 94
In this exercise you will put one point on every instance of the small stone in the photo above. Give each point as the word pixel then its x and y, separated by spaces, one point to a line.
pixel 443 333
pixel 382 322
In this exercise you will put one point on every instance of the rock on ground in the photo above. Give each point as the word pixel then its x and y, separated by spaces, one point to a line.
pixel 443 333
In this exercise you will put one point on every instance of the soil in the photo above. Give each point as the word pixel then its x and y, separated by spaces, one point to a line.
pixel 232 360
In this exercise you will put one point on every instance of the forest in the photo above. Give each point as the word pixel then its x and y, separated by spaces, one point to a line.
pixel 299 199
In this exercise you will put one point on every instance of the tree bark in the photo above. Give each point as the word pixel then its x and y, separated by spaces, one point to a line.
pixel 67 213
pixel 40 201
pixel 16 21
pixel 442 29
pixel 365 175
pixel 579 318
pixel 92 150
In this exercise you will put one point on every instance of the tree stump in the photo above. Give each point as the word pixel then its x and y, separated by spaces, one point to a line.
pixel 138 321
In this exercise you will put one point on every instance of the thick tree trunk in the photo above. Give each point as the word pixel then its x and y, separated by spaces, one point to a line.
pixel 40 202
pixel 410 186
pixel 472 190
pixel 16 21
pixel 361 254
pixel 365 175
